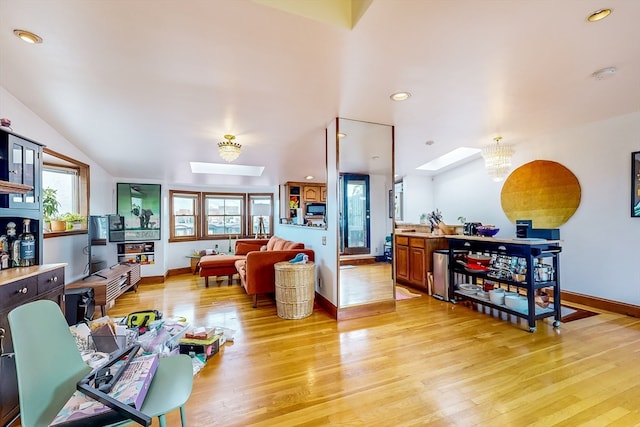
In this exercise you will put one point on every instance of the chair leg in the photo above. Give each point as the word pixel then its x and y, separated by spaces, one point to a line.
pixel 255 301
pixel 183 416
pixel 206 281
pixel 162 421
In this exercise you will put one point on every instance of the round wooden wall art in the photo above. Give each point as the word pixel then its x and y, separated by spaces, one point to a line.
pixel 543 191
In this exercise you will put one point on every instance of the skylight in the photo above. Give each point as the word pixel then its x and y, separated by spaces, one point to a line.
pixel 452 157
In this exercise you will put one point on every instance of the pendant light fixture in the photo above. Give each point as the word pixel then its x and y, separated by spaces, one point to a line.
pixel 497 159
pixel 228 149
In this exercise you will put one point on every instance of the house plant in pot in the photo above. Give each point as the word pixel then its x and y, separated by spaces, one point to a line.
pixel 50 206
pixel 75 221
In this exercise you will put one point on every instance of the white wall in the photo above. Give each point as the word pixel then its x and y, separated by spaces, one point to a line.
pixel 600 242
pixel 69 249
pixel 417 197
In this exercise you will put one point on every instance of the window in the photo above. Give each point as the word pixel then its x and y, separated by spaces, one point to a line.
pixel 68 180
pixel 184 215
pixel 196 216
pixel 224 214
pixel 261 214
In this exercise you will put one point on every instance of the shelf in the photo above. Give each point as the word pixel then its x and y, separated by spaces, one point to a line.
pixel 525 251
pixel 541 312
pixel 7 187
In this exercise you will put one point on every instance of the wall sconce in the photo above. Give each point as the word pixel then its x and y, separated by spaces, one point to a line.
pixel 497 159
pixel 228 149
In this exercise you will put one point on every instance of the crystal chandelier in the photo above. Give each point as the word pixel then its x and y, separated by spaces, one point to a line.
pixel 497 159
pixel 228 149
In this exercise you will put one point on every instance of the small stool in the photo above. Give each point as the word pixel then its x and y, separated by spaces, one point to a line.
pixel 295 289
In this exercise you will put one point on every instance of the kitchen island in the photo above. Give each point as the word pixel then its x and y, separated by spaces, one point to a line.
pixel 414 256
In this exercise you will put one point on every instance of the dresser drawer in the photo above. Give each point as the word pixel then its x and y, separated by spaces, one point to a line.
pixel 17 292
pixel 50 280
pixel 401 240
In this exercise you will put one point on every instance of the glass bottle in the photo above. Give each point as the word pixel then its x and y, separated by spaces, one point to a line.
pixel 27 245
pixel 11 239
pixel 4 252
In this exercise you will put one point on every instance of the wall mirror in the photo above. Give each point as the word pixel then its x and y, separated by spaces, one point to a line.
pixel 365 180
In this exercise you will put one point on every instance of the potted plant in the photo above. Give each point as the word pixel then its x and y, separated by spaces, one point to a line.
pixel 50 206
pixel 74 221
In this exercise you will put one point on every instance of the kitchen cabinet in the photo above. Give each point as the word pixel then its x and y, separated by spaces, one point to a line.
pixel 414 257
pixel 313 193
pixel 19 286
pixel 525 266
pixel 296 195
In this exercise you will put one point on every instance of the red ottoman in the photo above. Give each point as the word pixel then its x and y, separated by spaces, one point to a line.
pixel 218 265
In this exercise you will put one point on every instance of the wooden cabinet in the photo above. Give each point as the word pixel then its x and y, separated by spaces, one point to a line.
pixel 20 182
pixel 297 194
pixel 109 283
pixel 414 258
pixel 20 167
pixel 19 286
pixel 311 193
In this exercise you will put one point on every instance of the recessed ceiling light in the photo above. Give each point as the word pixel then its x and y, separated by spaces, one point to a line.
pixel 429 142
pixel 309 177
pixel 28 36
pixel 400 96
pixel 598 15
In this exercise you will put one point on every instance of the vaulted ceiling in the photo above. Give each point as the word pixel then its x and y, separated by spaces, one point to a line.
pixel 144 87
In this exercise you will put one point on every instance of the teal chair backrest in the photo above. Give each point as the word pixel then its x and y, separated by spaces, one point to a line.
pixel 48 362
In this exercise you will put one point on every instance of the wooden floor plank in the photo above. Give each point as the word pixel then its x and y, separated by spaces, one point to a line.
pixel 428 363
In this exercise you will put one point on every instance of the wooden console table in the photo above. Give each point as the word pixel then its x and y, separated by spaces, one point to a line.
pixel 109 283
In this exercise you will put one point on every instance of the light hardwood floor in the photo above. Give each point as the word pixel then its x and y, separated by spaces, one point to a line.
pixel 365 283
pixel 428 363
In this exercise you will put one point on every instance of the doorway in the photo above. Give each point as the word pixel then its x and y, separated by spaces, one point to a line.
pixel 355 237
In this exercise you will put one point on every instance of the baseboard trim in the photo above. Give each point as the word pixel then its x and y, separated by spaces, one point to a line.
pixel 178 271
pixel 147 280
pixel 326 305
pixel 601 303
pixel 368 259
pixel 366 310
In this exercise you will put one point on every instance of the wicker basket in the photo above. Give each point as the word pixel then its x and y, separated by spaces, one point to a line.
pixel 295 289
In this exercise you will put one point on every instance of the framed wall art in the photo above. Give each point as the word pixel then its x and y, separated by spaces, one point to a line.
pixel 635 184
pixel 139 211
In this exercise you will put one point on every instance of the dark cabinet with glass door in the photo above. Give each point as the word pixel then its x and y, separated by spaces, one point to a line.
pixel 20 177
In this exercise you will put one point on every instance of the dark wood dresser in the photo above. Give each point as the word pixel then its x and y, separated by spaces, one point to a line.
pixel 19 286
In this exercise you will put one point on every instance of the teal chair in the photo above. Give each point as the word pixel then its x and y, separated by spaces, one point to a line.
pixel 49 365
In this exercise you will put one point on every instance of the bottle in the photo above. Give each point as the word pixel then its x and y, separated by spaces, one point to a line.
pixel 11 238
pixel 27 245
pixel 4 252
